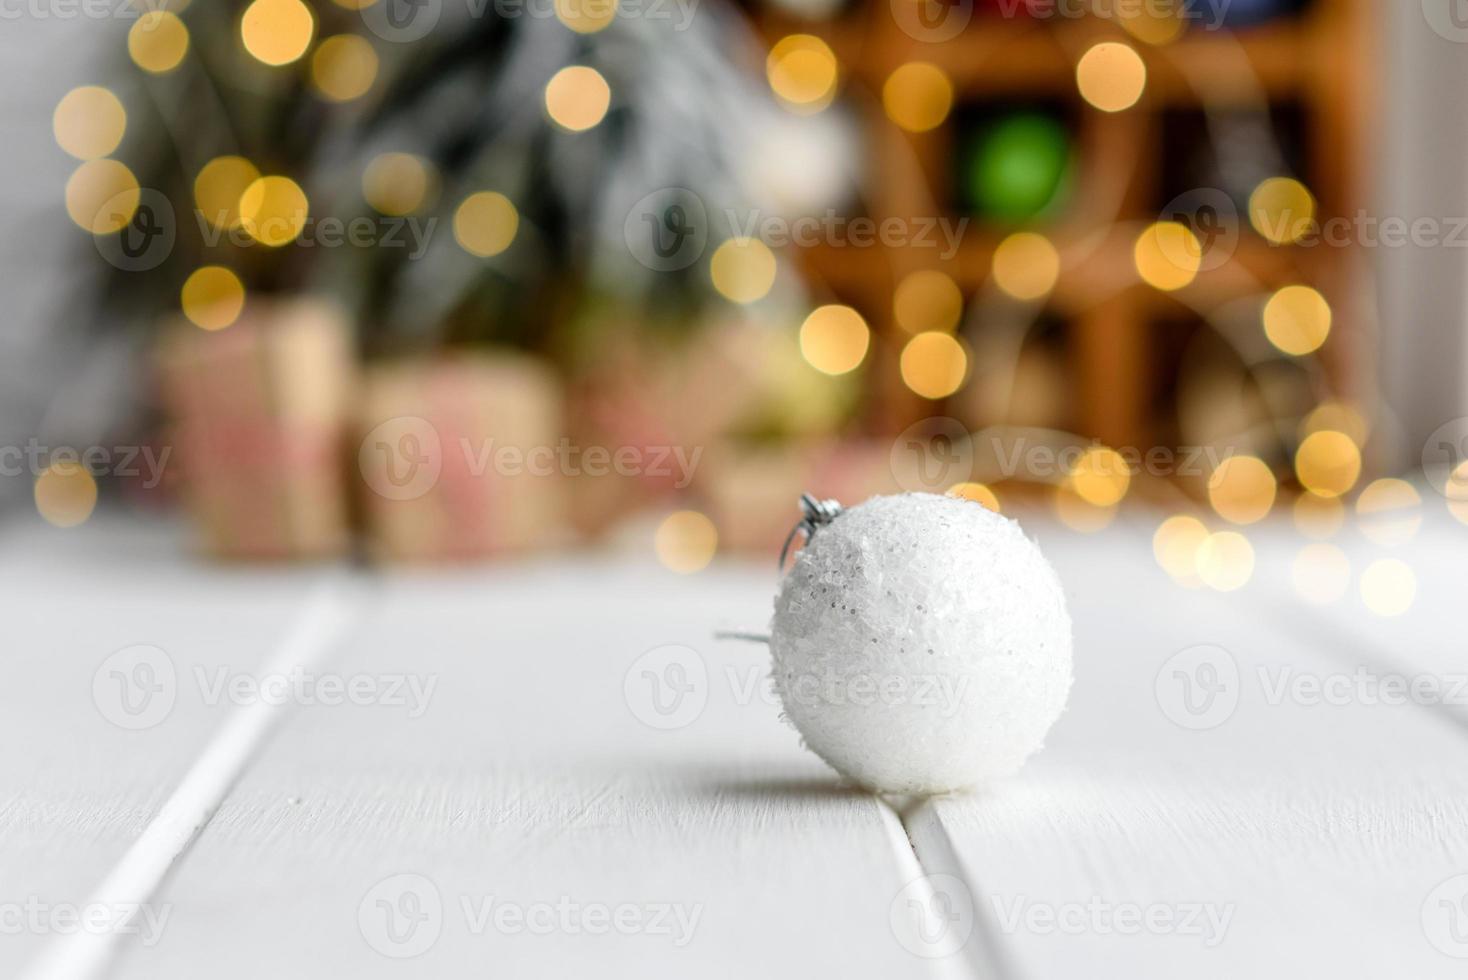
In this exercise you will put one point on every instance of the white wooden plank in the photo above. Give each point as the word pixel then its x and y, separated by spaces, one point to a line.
pixel 82 778
pixel 530 780
pixel 1318 834
pixel 1420 646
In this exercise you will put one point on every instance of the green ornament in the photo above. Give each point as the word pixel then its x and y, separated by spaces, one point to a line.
pixel 1017 167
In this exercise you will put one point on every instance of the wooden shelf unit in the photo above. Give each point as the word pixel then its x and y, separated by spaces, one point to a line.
pixel 1317 60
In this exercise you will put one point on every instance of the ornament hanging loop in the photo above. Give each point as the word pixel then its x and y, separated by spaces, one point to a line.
pixel 815 514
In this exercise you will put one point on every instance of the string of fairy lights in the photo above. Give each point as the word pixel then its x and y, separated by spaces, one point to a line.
pixel 805 76
pixel 1296 320
pixel 230 192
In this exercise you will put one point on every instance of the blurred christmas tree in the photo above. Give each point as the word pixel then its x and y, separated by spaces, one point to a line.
pixel 490 174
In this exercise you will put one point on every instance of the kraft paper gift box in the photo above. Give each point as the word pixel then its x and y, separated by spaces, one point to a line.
pixel 257 415
pixel 754 492
pixel 462 458
pixel 665 405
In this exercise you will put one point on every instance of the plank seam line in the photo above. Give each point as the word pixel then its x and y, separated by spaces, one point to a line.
pixel 1295 621
pixel 922 849
pixel 1343 647
pixel 323 620
pixel 1371 654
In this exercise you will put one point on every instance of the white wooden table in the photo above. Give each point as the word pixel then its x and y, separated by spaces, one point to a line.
pixel 529 808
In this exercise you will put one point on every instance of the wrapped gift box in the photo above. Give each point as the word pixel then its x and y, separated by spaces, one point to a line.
pixel 256 416
pixel 754 492
pixel 462 457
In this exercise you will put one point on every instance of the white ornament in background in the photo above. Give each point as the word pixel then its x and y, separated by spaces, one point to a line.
pixel 921 644
pixel 801 164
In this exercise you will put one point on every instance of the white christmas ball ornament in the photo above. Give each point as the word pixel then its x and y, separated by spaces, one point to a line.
pixel 921 644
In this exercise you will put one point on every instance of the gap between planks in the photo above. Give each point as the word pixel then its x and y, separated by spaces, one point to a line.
pixel 937 879
pixel 324 620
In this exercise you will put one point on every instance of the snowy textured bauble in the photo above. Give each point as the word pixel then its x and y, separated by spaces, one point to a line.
pixel 921 644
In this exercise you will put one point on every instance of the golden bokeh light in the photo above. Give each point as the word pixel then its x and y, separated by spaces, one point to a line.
pixel 219 187
pixel 834 339
pixel 1389 512
pixel 917 96
pixel 802 72
pixel 398 183
pixel 1242 489
pixel 1167 255
pixel 686 541
pixel 1321 573
pixel 927 300
pixel 1226 561
pixel 1175 545
pixel 65 494
pixel 743 270
pixel 89 122
pixel 1282 210
pixel 1111 76
pixel 586 16
pixel 344 67
pixel 485 223
pixel 1328 463
pixel 1388 587
pixel 1026 265
pixel 934 364
pixel 979 493
pixel 1338 416
pixel 273 210
pixel 1100 476
pixel 212 297
pixel 1457 492
pixel 157 41
pixel 1079 514
pixel 1318 517
pixel 354 4
pixel 577 98
pixel 277 32
pixel 102 196
pixel 1297 320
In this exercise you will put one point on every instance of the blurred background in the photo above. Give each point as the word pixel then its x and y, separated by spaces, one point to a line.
pixel 465 280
